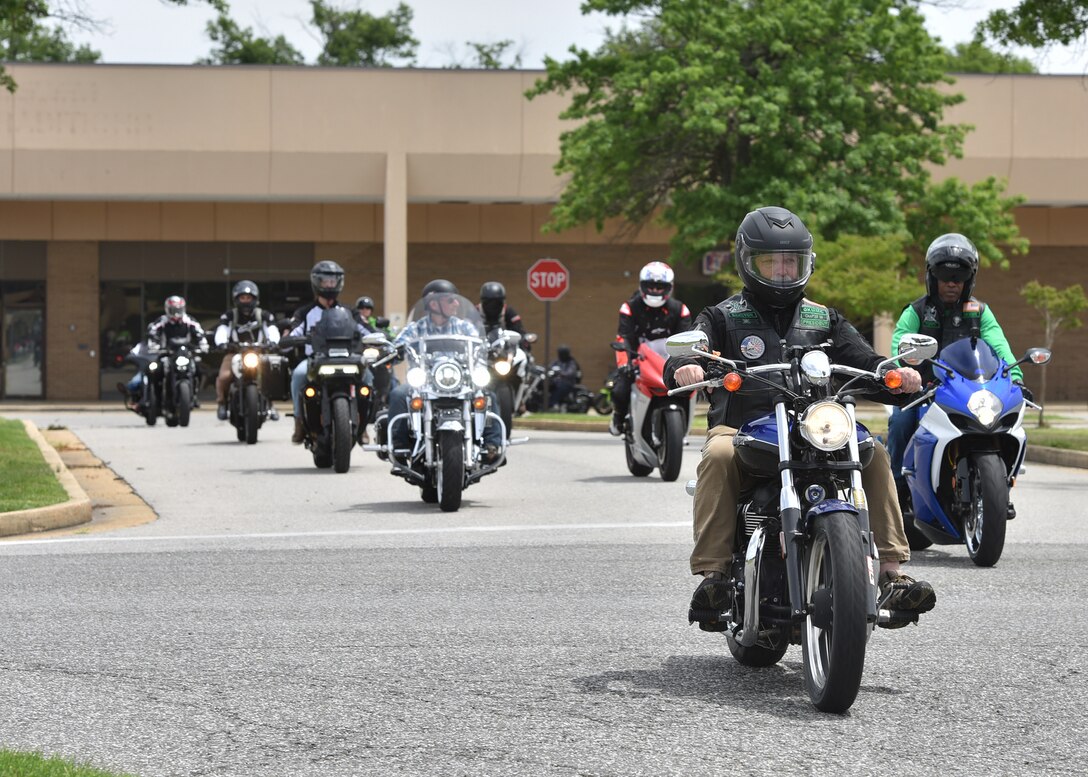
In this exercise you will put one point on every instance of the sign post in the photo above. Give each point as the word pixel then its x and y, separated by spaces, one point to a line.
pixel 548 280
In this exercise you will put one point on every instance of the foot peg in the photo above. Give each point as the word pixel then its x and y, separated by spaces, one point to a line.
pixel 708 620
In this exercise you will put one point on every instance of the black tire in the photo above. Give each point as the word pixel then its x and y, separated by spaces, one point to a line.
pixel 151 409
pixel 504 393
pixel 184 401
pixel 759 655
pixel 251 406
pixel 342 441
pixel 671 452
pixel 834 652
pixel 985 523
pixel 634 467
pixel 603 404
pixel 241 430
pixel 450 470
pixel 429 494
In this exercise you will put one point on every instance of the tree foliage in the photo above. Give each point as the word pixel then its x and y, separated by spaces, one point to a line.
pixel 1060 309
pixel 706 109
pixel 977 57
pixel 490 56
pixel 25 35
pixel 1037 23
pixel 238 46
pixel 359 38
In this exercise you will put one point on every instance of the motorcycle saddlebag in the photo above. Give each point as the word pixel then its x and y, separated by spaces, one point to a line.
pixel 275 377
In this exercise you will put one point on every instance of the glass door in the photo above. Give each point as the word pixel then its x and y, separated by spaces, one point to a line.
pixel 21 350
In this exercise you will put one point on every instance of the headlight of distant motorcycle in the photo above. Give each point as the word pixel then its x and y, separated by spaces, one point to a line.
pixel 826 426
pixel 502 367
pixel 182 361
pixel 343 369
pixel 985 406
pixel 416 377
pixel 371 354
pixel 480 376
pixel 250 360
pixel 447 375
pixel 153 366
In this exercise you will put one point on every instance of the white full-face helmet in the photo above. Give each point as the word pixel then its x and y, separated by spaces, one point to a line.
pixel 655 283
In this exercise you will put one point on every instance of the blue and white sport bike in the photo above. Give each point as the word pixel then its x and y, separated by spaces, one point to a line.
pixel 967 450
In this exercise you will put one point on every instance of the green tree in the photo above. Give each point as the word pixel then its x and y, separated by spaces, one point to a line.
pixel 1037 23
pixel 709 108
pixel 1059 309
pixel 360 38
pixel 489 56
pixel 238 46
pixel 977 57
pixel 25 36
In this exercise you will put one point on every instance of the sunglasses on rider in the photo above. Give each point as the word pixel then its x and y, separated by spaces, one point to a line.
pixel 952 272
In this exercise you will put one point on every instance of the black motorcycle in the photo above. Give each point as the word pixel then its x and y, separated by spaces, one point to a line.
pixel 169 383
pixel 259 377
pixel 336 396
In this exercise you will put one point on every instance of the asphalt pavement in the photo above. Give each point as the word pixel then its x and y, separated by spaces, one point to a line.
pixel 280 620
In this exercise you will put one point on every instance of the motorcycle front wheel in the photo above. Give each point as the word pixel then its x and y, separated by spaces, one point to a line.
pixel 835 630
pixel 984 525
pixel 342 440
pixel 184 402
pixel 671 452
pixel 450 470
pixel 250 405
pixel 151 409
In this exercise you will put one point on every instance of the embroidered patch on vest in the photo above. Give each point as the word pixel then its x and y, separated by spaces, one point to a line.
pixel 752 347
pixel 814 314
pixel 972 306
pixel 930 320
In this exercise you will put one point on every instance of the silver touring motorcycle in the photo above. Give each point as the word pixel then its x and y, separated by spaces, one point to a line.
pixel 447 412
pixel 806 563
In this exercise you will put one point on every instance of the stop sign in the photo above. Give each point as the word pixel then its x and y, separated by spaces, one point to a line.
pixel 548 279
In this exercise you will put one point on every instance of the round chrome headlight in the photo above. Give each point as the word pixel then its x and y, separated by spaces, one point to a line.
pixel 985 406
pixel 480 375
pixel 371 354
pixel 502 367
pixel 447 375
pixel 826 426
pixel 250 360
pixel 416 377
pixel 182 361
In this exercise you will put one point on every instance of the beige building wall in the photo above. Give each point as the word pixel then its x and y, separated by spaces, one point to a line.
pixel 403 175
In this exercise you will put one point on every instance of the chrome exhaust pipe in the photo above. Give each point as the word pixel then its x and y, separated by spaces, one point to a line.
pixel 749 632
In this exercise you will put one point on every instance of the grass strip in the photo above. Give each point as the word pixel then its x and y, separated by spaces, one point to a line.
pixel 16 764
pixel 27 481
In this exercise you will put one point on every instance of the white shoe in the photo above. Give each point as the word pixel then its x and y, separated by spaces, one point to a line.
pixel 614 428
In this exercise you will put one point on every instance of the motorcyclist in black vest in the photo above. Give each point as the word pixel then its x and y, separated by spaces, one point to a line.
pixel 650 314
pixel 773 254
pixel 499 315
pixel 243 323
pixel 949 313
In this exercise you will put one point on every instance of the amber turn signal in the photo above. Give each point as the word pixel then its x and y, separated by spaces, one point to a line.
pixel 417 403
pixel 732 381
pixel 893 379
pixel 479 403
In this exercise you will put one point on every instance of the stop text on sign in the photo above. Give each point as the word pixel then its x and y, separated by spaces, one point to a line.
pixel 548 279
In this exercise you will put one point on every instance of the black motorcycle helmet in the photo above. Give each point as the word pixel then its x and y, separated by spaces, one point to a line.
pixel 564 353
pixel 774 255
pixel 437 288
pixel 492 300
pixel 245 287
pixel 327 279
pixel 951 257
pixel 365 302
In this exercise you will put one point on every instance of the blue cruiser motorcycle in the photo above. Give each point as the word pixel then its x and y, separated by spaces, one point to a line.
pixel 967 450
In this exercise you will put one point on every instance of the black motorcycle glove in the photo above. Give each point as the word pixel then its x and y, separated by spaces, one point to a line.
pixel 1025 391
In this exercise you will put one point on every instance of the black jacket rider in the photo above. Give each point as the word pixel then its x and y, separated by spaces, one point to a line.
pixel 638 322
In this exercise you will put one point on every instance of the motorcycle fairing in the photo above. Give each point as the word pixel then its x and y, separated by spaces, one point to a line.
pixel 924 454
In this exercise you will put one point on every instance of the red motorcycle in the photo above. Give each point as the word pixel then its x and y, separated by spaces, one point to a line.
pixel 656 422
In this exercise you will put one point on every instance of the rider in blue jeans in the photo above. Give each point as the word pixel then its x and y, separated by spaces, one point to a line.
pixel 948 313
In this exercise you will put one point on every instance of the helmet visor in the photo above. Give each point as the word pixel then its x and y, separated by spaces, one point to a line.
pixel 953 272
pixel 779 269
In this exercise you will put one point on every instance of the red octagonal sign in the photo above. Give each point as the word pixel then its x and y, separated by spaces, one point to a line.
pixel 548 279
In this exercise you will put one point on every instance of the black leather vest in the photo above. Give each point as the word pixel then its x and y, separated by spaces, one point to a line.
pixel 946 323
pixel 750 338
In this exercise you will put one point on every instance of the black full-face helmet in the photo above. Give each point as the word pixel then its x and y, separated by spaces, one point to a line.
pixel 951 257
pixel 245 287
pixel 327 279
pixel 774 255
pixel 492 300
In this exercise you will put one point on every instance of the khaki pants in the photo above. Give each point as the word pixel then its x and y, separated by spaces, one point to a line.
pixel 720 481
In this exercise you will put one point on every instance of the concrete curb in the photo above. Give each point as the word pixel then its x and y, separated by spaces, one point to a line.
pixel 75 511
pixel 1057 456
